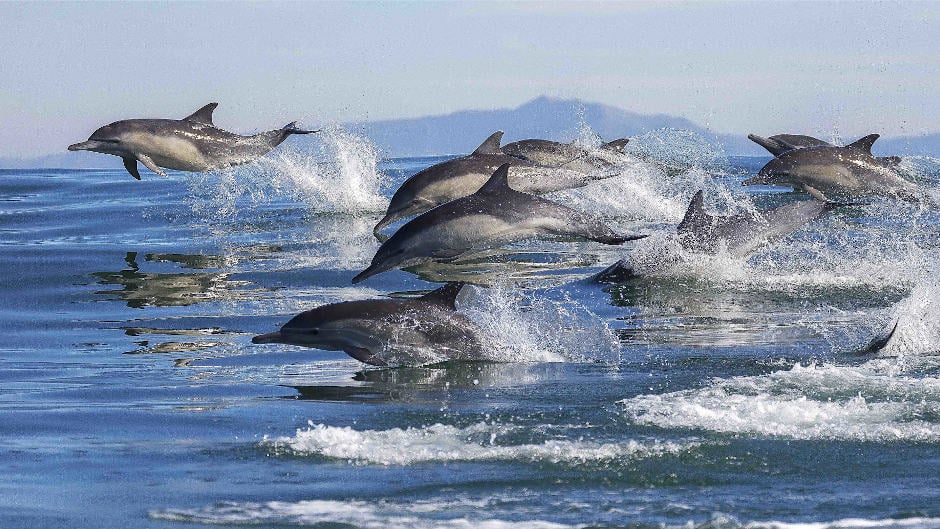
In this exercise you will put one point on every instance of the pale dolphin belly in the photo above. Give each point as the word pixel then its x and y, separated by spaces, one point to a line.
pixel 172 152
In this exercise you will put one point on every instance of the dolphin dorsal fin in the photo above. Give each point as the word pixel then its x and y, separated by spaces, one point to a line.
pixel 695 215
pixel 490 145
pixel 616 145
pixel 445 296
pixel 498 182
pixel 863 144
pixel 203 115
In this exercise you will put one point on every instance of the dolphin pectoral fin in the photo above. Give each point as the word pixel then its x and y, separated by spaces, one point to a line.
pixel 381 237
pixel 365 356
pixel 131 165
pixel 446 255
pixel 149 164
pixel 815 193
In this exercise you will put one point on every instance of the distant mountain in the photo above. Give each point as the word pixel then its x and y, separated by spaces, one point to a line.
pixel 543 117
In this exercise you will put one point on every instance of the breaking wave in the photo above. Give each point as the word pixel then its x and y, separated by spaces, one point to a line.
pixel 813 402
pixel 443 443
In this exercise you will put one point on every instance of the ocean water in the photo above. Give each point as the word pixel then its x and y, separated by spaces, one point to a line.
pixel 712 393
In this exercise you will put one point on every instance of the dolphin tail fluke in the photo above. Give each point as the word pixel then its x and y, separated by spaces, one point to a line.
pixel 291 128
pixel 615 240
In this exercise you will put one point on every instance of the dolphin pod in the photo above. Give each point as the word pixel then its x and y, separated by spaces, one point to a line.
pixel 193 143
pixel 460 177
pixel 488 199
pixel 493 216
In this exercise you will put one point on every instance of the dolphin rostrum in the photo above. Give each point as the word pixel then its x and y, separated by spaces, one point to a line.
pixel 739 235
pixel 569 155
pixel 494 216
pixel 387 331
pixel 193 143
pixel 460 177
pixel 781 143
pixel 850 171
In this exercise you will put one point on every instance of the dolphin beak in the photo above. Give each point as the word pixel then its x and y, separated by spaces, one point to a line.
pixel 371 271
pixel 83 146
pixel 271 337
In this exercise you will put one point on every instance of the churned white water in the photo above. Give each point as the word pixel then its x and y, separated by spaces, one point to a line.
pixel 442 443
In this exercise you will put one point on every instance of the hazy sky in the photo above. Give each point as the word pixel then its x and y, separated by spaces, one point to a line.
pixel 850 67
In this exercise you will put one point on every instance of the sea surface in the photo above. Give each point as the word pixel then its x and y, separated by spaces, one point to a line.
pixel 714 392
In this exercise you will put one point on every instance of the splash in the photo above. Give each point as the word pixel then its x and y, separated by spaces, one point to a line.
pixel 814 402
pixel 678 150
pixel 916 324
pixel 534 328
pixel 444 443
pixel 335 173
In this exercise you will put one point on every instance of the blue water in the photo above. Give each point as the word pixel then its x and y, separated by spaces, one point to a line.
pixel 716 392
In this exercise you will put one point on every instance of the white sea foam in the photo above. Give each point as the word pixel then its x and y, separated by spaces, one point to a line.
pixel 337 173
pixel 814 402
pixel 356 514
pixel 533 328
pixel 442 443
pixel 723 522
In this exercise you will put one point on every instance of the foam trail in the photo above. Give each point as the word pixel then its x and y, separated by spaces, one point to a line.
pixel 337 173
pixel 814 402
pixel 443 443
pixel 538 329
pixel 353 514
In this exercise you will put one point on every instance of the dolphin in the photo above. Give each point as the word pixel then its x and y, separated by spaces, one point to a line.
pixel 193 143
pixel 569 155
pixel 838 171
pixel 460 177
pixel 782 143
pixel 495 215
pixel 740 235
pixel 378 332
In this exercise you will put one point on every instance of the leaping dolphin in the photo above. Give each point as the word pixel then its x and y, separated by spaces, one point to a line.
pixel 781 143
pixel 494 216
pixel 850 171
pixel 193 143
pixel 739 235
pixel 460 177
pixel 387 331
pixel 569 155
